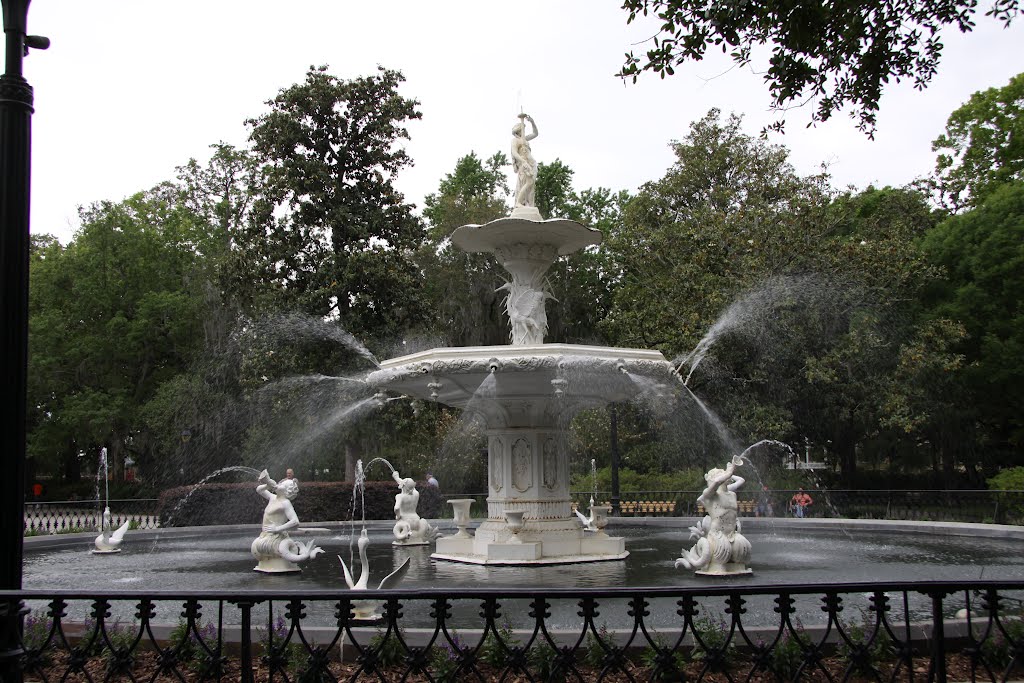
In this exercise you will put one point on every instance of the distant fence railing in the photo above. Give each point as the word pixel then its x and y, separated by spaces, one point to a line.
pixel 905 631
pixel 895 504
pixel 69 516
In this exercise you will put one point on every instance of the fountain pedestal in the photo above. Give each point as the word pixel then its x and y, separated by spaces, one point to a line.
pixel 512 389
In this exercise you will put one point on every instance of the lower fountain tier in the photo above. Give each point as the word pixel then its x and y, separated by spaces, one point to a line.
pixel 540 542
pixel 525 386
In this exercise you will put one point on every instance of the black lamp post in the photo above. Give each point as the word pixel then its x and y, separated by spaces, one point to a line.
pixel 616 500
pixel 15 146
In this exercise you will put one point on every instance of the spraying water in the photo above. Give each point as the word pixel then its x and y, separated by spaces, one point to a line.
pixel 753 312
pixel 213 475
pixel 104 469
pixel 358 493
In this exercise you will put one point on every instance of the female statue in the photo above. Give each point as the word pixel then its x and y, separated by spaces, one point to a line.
pixel 720 548
pixel 523 162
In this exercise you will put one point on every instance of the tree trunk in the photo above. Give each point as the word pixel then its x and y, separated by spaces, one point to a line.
pixel 846 449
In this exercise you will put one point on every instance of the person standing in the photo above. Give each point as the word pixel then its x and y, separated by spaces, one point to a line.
pixel 764 503
pixel 431 481
pixel 800 502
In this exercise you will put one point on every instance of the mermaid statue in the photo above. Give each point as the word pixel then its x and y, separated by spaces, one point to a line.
pixel 276 551
pixel 720 549
pixel 410 529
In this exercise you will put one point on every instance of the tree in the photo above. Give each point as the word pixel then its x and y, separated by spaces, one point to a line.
pixel 982 254
pixel 333 235
pixel 983 146
pixel 462 288
pixel 783 306
pixel 729 200
pixel 582 282
pixel 112 317
pixel 839 54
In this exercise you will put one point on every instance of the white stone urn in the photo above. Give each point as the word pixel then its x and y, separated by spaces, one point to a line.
pixel 460 510
pixel 600 517
pixel 514 521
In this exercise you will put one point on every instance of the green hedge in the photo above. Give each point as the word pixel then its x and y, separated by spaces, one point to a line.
pixel 316 502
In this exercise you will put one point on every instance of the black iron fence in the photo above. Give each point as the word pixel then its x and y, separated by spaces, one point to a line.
pixel 924 631
pixel 69 516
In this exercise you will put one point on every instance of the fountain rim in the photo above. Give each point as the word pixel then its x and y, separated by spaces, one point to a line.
pixel 509 351
pixel 938 529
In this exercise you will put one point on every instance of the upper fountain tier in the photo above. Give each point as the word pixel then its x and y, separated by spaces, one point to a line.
pixel 526 249
pixel 559 236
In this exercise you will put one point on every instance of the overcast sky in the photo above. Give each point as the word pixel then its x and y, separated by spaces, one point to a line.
pixel 130 89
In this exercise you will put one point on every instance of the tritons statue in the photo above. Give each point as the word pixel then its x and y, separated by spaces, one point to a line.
pixel 410 529
pixel 720 549
pixel 276 551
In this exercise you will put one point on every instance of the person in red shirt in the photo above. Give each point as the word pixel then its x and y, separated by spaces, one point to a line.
pixel 800 502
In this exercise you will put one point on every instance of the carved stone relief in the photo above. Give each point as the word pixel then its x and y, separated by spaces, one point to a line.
pixel 497 458
pixel 550 463
pixel 522 476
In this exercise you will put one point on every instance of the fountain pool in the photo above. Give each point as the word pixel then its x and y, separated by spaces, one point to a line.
pixel 789 552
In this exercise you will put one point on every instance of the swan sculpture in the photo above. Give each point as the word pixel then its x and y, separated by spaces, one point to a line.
pixel 588 522
pixel 366 609
pixel 108 542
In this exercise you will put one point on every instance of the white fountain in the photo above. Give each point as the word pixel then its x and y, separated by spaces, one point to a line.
pixel 526 392
pixel 109 540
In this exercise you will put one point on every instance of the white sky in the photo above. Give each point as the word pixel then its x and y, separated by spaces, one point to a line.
pixel 132 88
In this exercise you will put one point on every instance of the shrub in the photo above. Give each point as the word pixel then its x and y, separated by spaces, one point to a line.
pixel 34 637
pixel 714 634
pixel 544 662
pixel 189 648
pixel 1010 480
pixel 445 659
pixel 999 649
pixel 787 656
pixel 595 653
pixel 275 649
pixel 496 652
pixel 665 664
pixel 862 656
pixel 387 649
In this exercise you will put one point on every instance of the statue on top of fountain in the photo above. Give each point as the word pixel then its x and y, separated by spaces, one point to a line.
pixel 720 549
pixel 525 167
pixel 276 551
pixel 410 529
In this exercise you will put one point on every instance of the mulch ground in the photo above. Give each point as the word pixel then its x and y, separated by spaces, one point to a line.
pixel 145 668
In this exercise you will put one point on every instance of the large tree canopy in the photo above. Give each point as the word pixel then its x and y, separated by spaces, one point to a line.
pixel 332 234
pixel 983 146
pixel 983 254
pixel 836 54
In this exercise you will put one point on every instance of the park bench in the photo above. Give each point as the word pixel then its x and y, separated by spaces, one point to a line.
pixel 648 507
pixel 744 507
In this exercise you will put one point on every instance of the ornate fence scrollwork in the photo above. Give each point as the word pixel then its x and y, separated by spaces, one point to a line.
pixel 842 632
